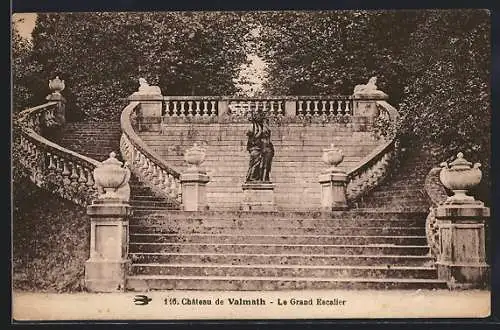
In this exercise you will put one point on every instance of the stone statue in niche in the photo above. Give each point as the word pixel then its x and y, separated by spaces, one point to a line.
pixel 261 149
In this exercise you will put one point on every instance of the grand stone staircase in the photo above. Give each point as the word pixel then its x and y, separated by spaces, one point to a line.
pixel 380 243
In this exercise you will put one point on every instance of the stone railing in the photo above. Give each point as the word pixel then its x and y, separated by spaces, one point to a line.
pixel 50 166
pixel 375 166
pixel 436 193
pixel 219 106
pixel 153 171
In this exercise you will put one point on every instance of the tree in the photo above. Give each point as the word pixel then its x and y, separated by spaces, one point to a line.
pixel 25 71
pixel 434 64
pixel 102 55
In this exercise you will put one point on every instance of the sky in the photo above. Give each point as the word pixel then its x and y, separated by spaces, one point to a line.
pixel 24 23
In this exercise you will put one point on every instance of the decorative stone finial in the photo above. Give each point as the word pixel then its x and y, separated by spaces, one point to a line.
pixel 56 85
pixel 460 176
pixel 332 157
pixel 111 177
pixel 194 156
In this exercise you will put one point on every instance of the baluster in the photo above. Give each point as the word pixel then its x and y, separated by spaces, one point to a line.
pixel 316 109
pixel 183 108
pixel 323 107
pixel 74 174
pixel 308 108
pixel 90 178
pixel 51 167
pixel 166 181
pixel 197 111
pixel 213 111
pixel 331 109
pixel 347 111
pixel 81 175
pixel 280 107
pixel 173 188
pixel 156 175
pixel 174 111
pixel 264 106
pixel 190 108
pixel 300 107
pixel 205 108
pixel 272 109
pixel 339 107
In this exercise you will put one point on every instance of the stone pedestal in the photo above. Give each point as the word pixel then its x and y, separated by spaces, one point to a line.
pixel 60 112
pixel 258 197
pixel 194 190
pixel 333 190
pixel 107 267
pixel 151 104
pixel 462 258
pixel 365 104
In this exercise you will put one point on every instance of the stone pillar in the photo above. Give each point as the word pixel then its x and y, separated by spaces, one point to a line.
pixel 106 269
pixel 223 107
pixel 461 221
pixel 151 104
pixel 60 112
pixel 150 98
pixel 258 196
pixel 333 191
pixel 194 180
pixel 365 103
pixel 333 181
pixel 290 108
pixel 56 86
pixel 462 258
pixel 194 191
pixel 108 265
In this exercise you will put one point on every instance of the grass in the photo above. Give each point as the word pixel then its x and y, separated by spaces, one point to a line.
pixel 50 241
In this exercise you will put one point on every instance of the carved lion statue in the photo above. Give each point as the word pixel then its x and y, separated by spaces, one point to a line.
pixel 368 87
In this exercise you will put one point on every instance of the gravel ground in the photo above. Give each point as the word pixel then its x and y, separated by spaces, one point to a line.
pixel 326 304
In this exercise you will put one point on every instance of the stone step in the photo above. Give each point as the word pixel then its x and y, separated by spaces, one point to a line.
pixel 280 248
pixel 276 239
pixel 260 270
pixel 299 259
pixel 165 282
pixel 359 213
pixel 271 223
pixel 150 204
pixel 231 230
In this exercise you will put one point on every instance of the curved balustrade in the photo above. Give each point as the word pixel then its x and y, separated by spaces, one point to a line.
pixel 163 179
pixel 437 195
pixel 373 169
pixel 50 166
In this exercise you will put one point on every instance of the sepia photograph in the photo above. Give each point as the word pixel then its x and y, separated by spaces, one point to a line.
pixel 242 165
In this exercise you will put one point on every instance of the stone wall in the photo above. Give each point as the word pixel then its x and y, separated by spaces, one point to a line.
pixel 296 165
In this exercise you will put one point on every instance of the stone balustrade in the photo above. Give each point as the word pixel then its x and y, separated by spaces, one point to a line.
pixel 436 193
pixel 372 170
pixel 145 164
pixel 223 106
pixel 50 166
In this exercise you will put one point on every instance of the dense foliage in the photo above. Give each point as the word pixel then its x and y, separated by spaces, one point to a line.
pixel 25 72
pixel 101 55
pixel 434 64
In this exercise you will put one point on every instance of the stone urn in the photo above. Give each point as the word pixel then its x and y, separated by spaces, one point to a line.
pixel 56 85
pixel 332 157
pixel 195 156
pixel 460 176
pixel 111 177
